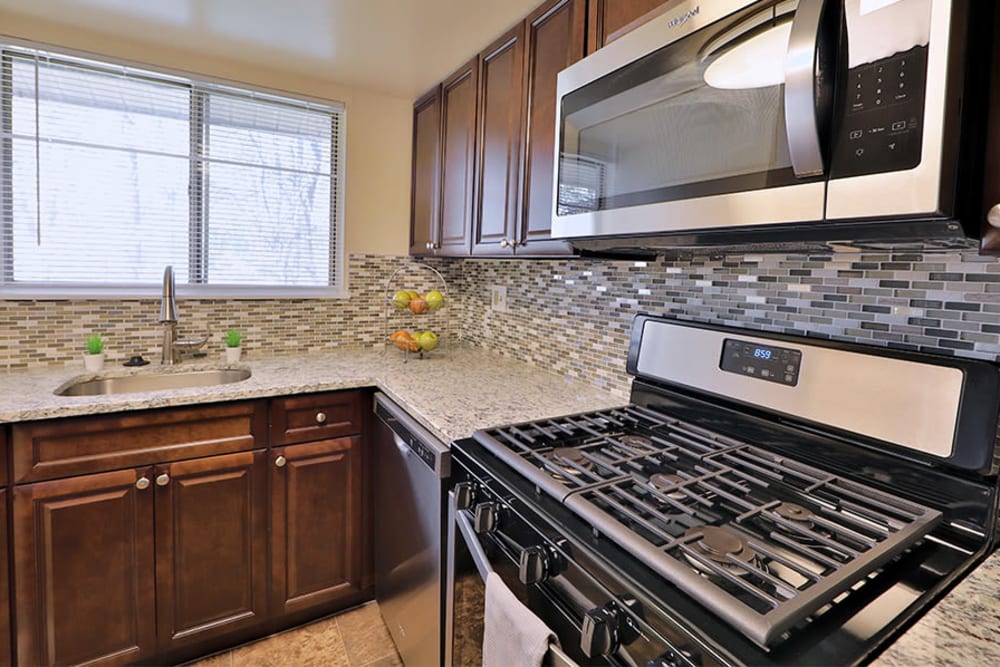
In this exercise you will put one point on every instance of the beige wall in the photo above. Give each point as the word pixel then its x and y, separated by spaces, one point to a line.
pixel 377 206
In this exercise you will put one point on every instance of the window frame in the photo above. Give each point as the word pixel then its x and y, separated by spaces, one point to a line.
pixel 199 83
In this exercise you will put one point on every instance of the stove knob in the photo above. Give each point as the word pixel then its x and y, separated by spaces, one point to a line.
pixel 465 495
pixel 534 566
pixel 600 633
pixel 485 520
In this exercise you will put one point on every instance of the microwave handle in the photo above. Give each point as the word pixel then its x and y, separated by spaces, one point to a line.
pixel 801 122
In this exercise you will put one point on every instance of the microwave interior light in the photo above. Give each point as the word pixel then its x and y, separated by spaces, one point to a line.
pixel 757 62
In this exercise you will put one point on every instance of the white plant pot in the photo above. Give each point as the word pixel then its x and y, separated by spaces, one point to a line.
pixel 233 355
pixel 93 362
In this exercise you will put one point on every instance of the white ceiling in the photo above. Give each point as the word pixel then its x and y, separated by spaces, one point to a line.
pixel 401 47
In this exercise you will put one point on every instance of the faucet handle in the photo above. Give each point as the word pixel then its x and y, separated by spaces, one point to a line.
pixel 192 343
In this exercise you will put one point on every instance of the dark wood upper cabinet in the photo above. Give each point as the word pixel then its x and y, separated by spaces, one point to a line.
pixel 555 40
pixel 316 556
pixel 501 86
pixel 84 565
pixel 425 183
pixel 458 154
pixel 610 19
pixel 211 547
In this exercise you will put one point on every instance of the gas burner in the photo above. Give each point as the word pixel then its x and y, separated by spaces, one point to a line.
pixel 717 544
pixel 796 513
pixel 637 441
pixel 661 481
pixel 569 460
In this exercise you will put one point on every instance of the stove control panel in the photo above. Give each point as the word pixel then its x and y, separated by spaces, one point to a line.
pixel 766 362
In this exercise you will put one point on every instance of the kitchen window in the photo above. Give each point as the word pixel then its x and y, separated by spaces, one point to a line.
pixel 109 173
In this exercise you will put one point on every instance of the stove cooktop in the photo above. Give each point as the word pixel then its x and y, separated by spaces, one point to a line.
pixel 761 539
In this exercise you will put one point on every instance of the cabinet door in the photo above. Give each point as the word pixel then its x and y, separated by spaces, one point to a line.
pixel 555 40
pixel 83 563
pixel 458 147
pixel 424 186
pixel 501 86
pixel 5 641
pixel 211 547
pixel 316 526
pixel 610 19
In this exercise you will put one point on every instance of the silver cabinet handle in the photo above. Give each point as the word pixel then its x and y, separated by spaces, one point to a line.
pixel 162 480
pixel 801 71
pixel 429 245
pixel 320 417
pixel 993 217
pixel 280 461
pixel 504 243
pixel 142 483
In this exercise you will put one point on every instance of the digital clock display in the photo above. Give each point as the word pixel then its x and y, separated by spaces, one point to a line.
pixel 764 362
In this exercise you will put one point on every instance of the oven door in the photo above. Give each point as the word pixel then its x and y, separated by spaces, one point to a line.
pixel 712 115
pixel 470 560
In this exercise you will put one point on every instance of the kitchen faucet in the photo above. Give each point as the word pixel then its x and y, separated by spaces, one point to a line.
pixel 168 318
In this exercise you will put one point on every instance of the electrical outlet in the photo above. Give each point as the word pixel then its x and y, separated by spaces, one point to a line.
pixel 498 298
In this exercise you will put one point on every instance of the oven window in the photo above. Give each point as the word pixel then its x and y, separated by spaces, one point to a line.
pixel 702 116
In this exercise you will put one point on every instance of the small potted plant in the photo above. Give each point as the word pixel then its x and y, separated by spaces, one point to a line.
pixel 233 339
pixel 93 360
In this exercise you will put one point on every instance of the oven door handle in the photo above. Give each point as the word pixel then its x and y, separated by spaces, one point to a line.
pixel 472 543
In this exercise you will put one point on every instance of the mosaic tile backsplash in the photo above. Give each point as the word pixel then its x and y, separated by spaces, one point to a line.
pixel 570 315
pixel 575 315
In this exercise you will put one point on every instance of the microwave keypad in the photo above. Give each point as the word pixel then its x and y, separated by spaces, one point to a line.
pixel 882 125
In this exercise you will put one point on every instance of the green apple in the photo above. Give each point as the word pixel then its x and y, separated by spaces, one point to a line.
pixel 427 340
pixel 434 299
pixel 401 299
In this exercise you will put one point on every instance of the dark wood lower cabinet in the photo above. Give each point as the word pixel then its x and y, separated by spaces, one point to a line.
pixel 211 547
pixel 316 524
pixel 83 558
pixel 6 657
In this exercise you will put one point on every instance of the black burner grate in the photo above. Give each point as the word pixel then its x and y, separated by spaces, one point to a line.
pixel 670 492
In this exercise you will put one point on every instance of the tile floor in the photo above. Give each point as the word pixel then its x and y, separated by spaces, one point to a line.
pixel 356 638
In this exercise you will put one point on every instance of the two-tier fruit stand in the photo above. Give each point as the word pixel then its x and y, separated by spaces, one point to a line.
pixel 404 279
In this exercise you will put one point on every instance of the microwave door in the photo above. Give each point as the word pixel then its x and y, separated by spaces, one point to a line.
pixel 684 137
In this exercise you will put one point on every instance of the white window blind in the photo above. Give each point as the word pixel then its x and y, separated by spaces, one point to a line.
pixel 109 173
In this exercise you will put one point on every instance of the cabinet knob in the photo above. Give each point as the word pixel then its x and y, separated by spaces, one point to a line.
pixel 280 461
pixel 504 243
pixel 429 245
pixel 142 483
pixel 320 417
pixel 993 216
pixel 162 480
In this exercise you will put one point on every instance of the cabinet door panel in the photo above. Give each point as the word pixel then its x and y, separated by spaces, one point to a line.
pixel 458 108
pixel 500 107
pixel 426 172
pixel 211 547
pixel 5 627
pixel 84 570
pixel 555 40
pixel 610 19
pixel 316 524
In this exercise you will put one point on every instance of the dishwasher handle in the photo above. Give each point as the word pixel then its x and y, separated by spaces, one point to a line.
pixel 410 436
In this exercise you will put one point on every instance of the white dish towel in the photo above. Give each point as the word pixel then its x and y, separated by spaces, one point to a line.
pixel 513 636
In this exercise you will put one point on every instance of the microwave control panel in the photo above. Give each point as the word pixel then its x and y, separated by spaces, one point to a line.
pixel 766 362
pixel 881 123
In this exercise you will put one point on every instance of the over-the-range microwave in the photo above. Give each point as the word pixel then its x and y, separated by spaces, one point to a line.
pixel 780 124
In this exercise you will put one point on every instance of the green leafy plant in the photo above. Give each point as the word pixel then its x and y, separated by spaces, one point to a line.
pixel 95 344
pixel 233 338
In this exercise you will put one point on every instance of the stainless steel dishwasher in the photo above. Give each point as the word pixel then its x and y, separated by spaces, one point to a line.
pixel 411 468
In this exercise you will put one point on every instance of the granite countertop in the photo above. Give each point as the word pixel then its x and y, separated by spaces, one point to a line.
pixel 456 391
pixel 452 392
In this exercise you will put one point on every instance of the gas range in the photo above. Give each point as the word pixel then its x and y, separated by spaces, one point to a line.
pixel 761 499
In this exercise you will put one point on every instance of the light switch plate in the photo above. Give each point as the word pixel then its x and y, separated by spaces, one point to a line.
pixel 498 298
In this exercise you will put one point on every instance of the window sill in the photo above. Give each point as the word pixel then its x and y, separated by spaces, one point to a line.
pixel 147 292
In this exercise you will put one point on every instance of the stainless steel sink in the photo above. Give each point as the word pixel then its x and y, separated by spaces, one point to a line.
pixel 153 382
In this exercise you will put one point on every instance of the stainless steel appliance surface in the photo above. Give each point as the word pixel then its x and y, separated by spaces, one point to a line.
pixel 742 508
pixel 779 124
pixel 412 467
